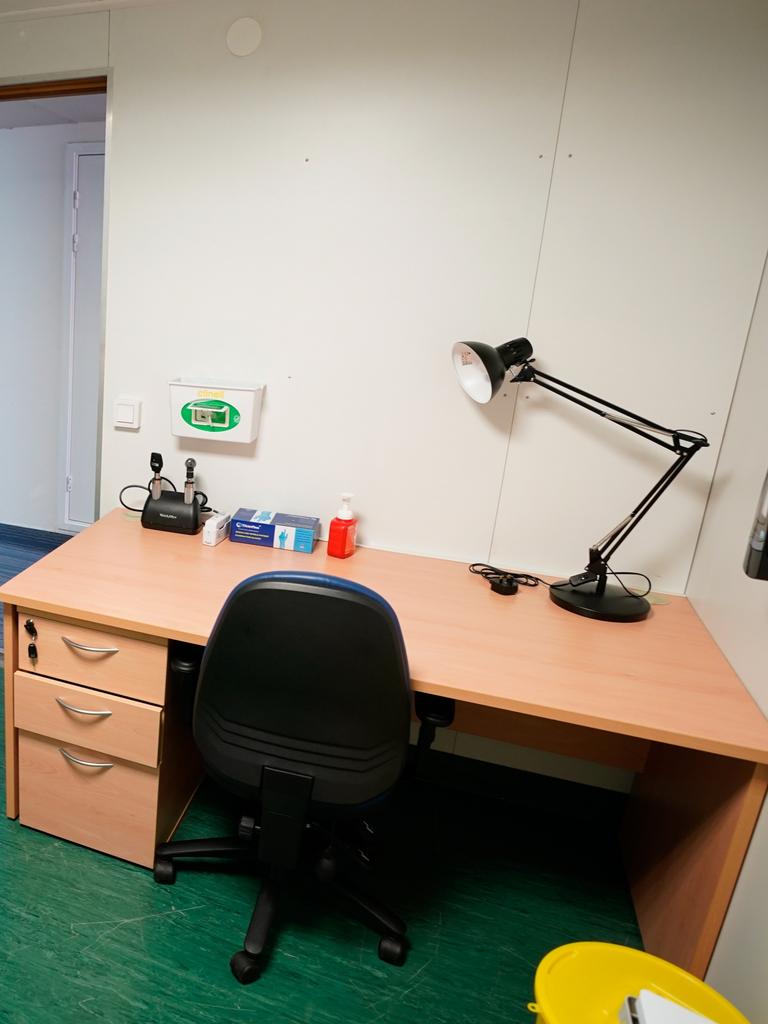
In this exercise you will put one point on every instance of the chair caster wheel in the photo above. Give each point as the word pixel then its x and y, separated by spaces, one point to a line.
pixel 246 968
pixel 164 871
pixel 325 868
pixel 246 827
pixel 393 950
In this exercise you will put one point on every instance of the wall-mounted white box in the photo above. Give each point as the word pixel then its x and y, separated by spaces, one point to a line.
pixel 127 413
pixel 215 409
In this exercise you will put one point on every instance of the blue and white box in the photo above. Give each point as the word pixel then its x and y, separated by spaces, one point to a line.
pixel 274 529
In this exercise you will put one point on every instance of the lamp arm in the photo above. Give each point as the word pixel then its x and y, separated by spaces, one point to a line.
pixel 683 443
pixel 678 439
pixel 605 547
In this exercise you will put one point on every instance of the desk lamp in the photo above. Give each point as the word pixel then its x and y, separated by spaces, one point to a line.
pixel 481 370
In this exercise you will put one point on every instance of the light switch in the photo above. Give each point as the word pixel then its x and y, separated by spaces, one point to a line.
pixel 127 413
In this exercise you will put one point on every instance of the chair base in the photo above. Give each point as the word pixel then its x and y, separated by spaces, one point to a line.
pixel 248 963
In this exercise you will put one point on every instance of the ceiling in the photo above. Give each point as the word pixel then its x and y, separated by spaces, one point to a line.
pixel 21 9
pixel 54 110
pixel 32 5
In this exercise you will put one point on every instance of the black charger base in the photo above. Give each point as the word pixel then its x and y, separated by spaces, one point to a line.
pixel 170 513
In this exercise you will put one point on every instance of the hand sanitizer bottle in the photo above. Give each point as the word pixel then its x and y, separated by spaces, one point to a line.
pixel 343 531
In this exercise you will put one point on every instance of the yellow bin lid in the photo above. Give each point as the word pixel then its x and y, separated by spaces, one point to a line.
pixel 587 983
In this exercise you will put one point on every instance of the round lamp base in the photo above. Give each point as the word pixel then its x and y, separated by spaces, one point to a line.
pixel 614 605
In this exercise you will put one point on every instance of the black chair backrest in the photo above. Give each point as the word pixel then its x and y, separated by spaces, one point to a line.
pixel 306 673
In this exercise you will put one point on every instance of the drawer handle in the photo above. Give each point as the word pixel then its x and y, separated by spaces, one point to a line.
pixel 85 764
pixel 82 711
pixel 91 650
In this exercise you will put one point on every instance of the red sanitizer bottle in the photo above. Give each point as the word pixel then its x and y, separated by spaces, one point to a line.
pixel 343 531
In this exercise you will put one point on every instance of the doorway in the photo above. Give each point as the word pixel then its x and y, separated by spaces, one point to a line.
pixel 51 210
pixel 52 163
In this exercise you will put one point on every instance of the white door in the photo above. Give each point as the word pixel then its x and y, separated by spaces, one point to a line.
pixel 84 349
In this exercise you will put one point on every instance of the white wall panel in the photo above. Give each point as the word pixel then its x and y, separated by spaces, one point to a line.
pixel 655 237
pixel 42 46
pixel 328 216
pixel 735 609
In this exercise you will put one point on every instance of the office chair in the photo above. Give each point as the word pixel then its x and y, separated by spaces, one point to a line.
pixel 302 711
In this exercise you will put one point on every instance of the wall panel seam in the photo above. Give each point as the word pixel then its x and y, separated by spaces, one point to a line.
pixel 535 274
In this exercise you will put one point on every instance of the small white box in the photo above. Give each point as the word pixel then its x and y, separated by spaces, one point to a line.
pixel 216 529
pixel 215 410
pixel 127 413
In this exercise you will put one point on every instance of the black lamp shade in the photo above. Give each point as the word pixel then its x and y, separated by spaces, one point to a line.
pixel 481 368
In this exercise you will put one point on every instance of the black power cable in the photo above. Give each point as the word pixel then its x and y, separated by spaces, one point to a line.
pixel 506 582
pixel 200 495
pixel 503 581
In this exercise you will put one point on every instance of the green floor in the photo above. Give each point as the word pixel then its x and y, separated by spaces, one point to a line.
pixel 488 884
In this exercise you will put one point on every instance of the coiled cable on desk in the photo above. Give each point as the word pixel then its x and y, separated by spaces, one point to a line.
pixel 200 495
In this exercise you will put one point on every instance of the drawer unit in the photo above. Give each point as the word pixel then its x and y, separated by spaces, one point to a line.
pixel 113 662
pixel 88 797
pixel 126 729
pixel 106 756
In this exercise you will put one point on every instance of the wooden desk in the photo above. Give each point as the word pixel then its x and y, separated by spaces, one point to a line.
pixel 656 696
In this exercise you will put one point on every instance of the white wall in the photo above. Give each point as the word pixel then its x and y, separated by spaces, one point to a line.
pixel 372 185
pixel 32 215
pixel 369 186
pixel 39 46
pixel 735 609
pixel 651 259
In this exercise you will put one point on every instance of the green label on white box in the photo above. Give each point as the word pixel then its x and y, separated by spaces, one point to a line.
pixel 210 414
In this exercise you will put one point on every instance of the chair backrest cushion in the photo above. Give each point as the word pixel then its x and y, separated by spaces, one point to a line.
pixel 308 673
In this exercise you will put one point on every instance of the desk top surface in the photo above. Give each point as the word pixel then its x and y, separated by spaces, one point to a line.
pixel 663 679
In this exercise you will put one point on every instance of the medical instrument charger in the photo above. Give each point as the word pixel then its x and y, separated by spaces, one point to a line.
pixel 171 510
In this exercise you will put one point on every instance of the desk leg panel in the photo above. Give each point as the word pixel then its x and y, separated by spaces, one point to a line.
pixel 181 768
pixel 689 823
pixel 10 659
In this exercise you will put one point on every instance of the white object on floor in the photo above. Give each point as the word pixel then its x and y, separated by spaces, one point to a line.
pixel 649 1008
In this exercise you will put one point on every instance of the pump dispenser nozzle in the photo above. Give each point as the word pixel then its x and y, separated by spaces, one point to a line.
pixel 345 512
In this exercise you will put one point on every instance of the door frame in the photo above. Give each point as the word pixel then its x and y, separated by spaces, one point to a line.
pixel 34 87
pixel 74 150
pixel 75 83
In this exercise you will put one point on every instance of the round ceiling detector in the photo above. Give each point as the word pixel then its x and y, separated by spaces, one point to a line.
pixel 243 37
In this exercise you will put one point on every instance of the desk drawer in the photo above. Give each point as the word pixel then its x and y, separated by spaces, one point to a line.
pixel 113 662
pixel 112 809
pixel 123 728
